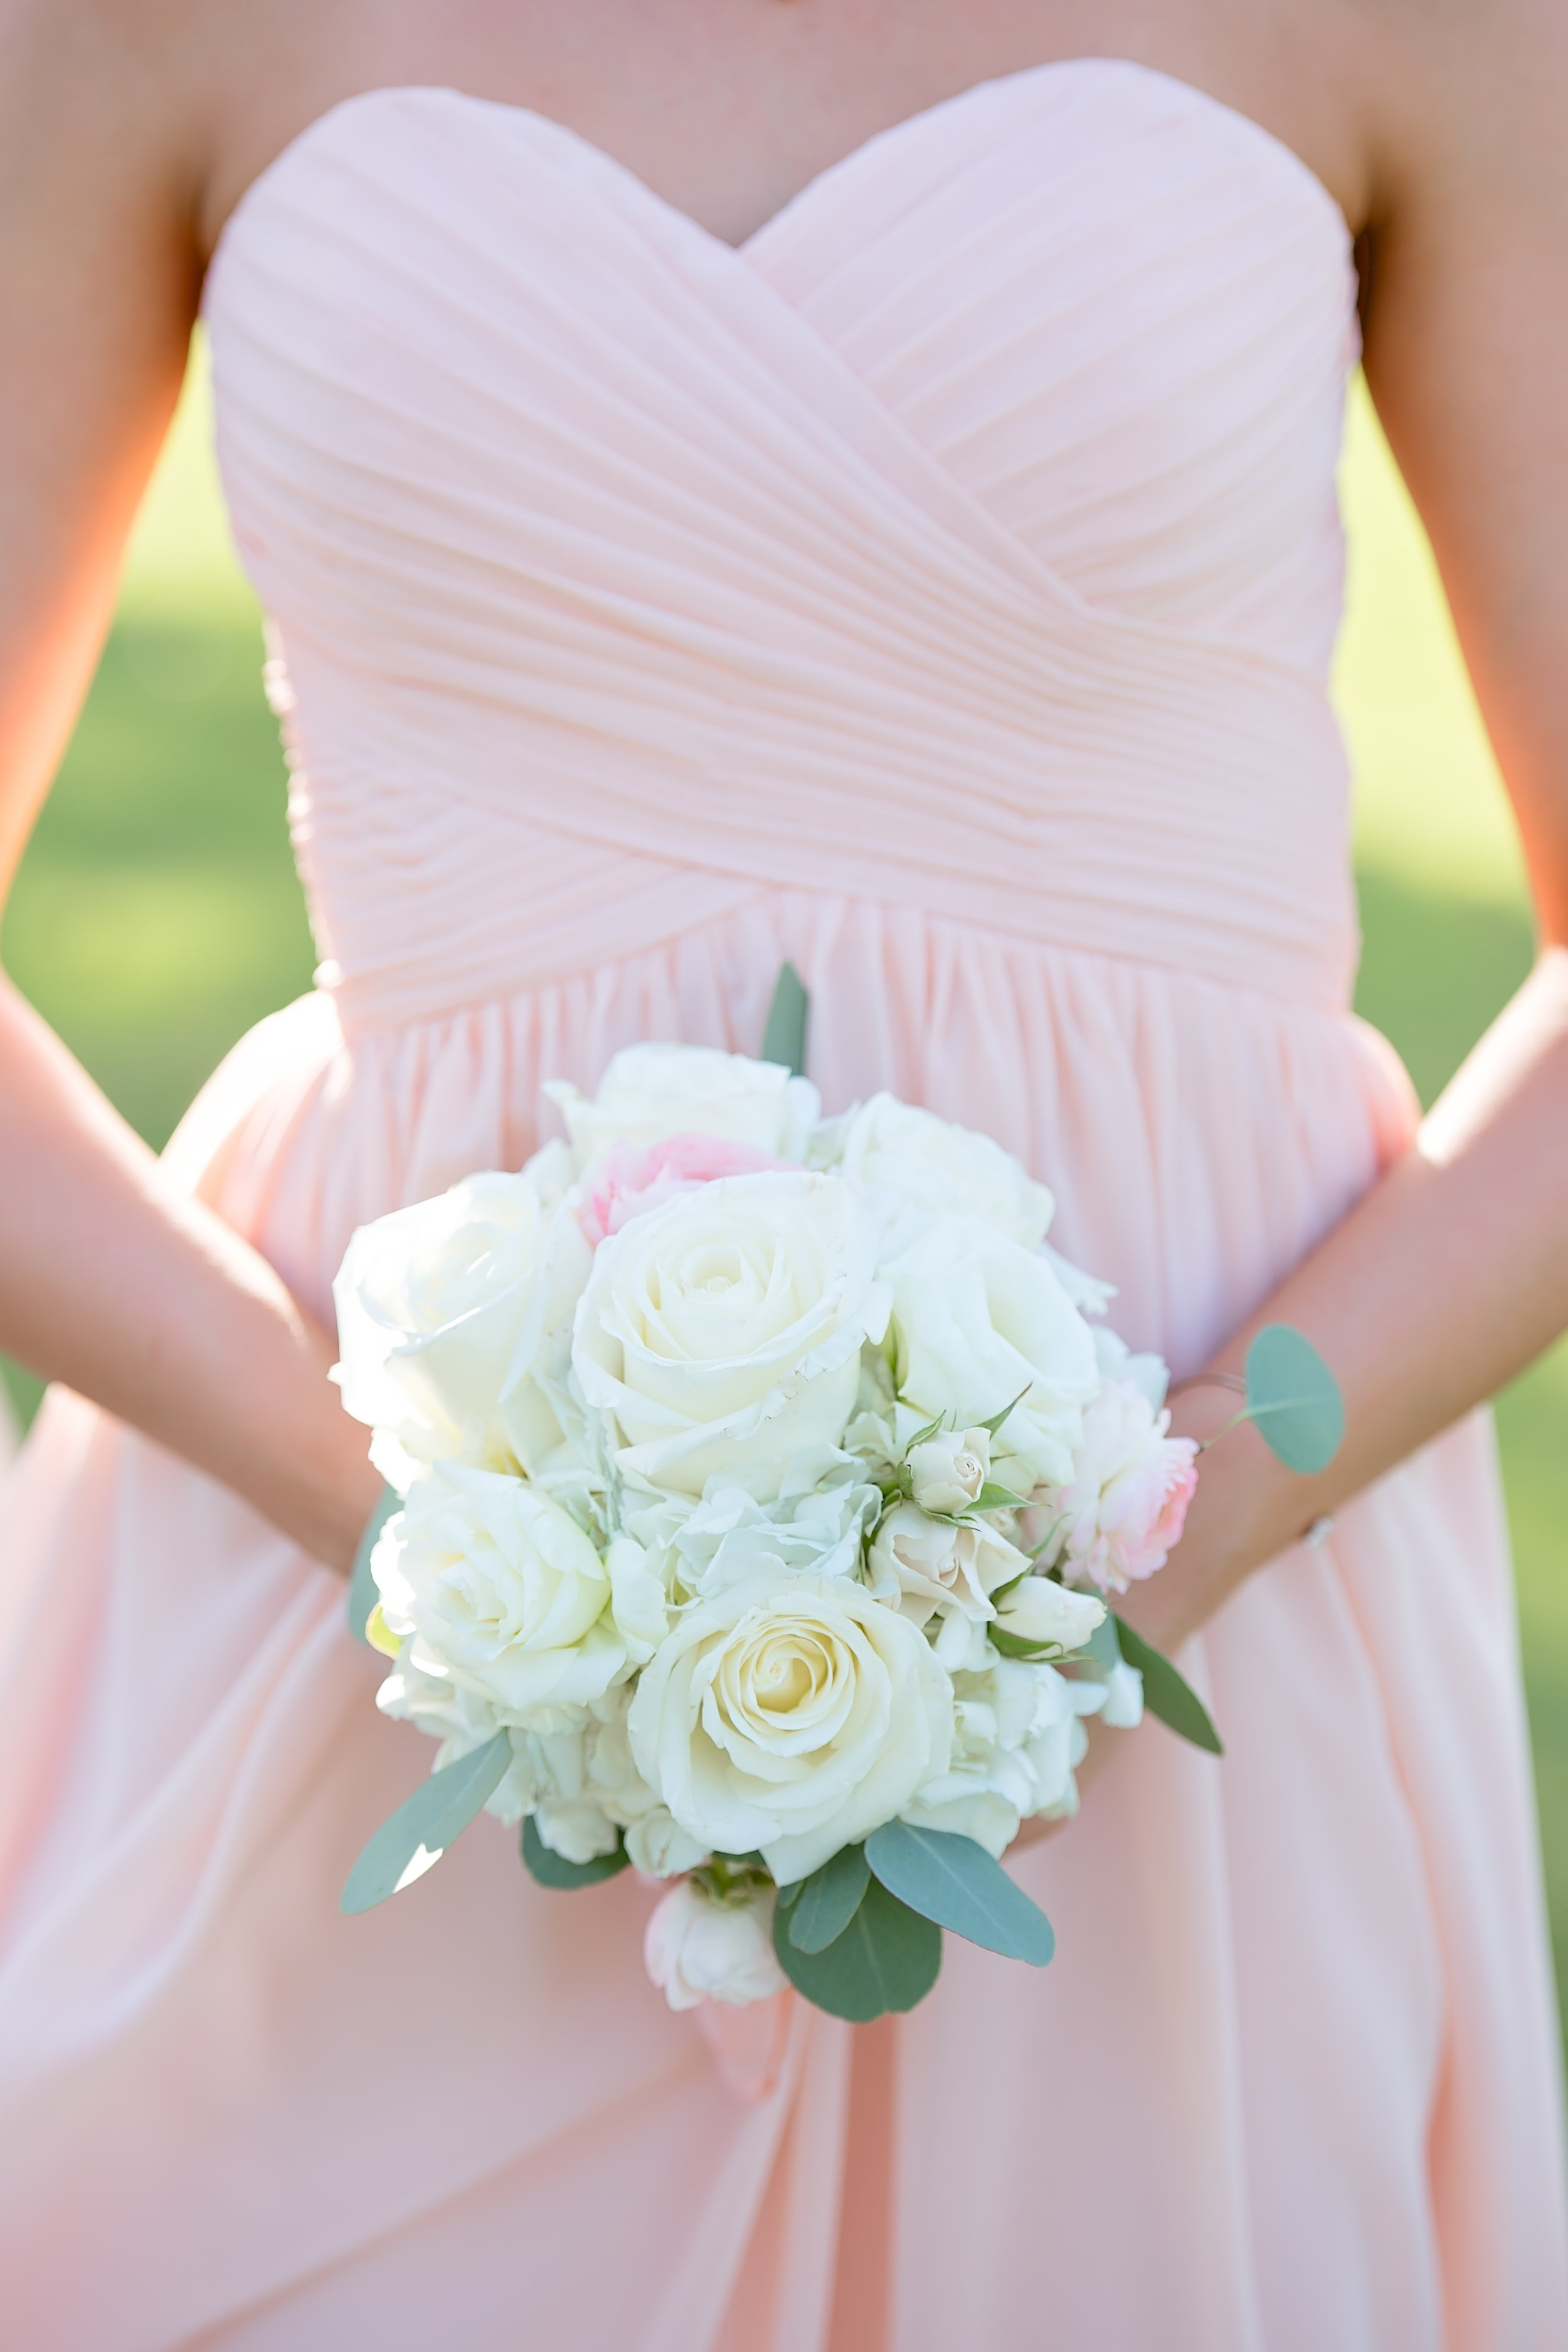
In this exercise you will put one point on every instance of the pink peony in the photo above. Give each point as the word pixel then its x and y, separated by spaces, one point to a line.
pixel 1126 1503
pixel 629 1180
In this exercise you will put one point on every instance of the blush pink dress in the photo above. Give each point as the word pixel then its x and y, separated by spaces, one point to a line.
pixel 939 592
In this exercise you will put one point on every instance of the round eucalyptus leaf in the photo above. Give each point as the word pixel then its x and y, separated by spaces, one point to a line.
pixel 552 1869
pixel 1294 1398
pixel 955 1882
pixel 888 1958
pixel 828 1900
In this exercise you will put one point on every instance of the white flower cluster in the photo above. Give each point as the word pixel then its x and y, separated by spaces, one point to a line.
pixel 750 1465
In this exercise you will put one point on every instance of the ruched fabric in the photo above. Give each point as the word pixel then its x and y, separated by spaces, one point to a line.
pixel 938 593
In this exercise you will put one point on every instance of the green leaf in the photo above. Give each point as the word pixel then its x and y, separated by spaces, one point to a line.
pixel 1102 1644
pixel 420 1830
pixel 783 1039
pixel 552 1869
pixel 828 1900
pixel 921 1435
pixel 991 1497
pixel 955 1882
pixel 888 1958
pixel 1012 1646
pixel 1166 1694
pixel 995 1423
pixel 1294 1398
pixel 363 1594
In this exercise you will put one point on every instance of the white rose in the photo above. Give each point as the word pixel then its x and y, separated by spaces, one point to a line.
pixel 1018 1737
pixel 916 1168
pixel 698 1947
pixel 1040 1610
pixel 651 1092
pixel 980 1321
pixel 934 1567
pixel 657 1845
pixel 815 1530
pixel 790 1718
pixel 948 1471
pixel 446 1314
pixel 726 1327
pixel 494 1583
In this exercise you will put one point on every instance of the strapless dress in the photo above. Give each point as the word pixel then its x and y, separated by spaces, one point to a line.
pixel 937 591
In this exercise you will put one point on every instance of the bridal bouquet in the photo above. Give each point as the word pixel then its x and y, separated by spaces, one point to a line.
pixel 758 1488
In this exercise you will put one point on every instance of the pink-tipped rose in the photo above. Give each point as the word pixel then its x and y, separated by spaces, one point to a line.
pixel 1127 1505
pixel 630 1180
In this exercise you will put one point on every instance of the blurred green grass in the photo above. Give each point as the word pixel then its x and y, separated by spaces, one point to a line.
pixel 156 915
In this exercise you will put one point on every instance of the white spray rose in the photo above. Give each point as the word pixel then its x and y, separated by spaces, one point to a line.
pixel 947 1472
pixel 1018 1737
pixel 1040 1610
pixel 497 1586
pixel 916 1168
pixel 699 1947
pixel 931 1568
pixel 651 1092
pixel 790 1718
pixel 724 1329
pixel 981 1321
pixel 446 1313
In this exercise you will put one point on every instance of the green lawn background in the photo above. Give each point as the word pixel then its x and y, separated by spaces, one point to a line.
pixel 157 914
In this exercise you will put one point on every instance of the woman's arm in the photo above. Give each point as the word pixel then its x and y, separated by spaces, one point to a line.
pixel 1453 1274
pixel 144 1301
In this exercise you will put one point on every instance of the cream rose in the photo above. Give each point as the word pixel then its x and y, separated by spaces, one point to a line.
pixel 652 1092
pixel 500 1589
pixel 446 1314
pixel 791 1717
pixel 725 1328
pixel 947 1472
pixel 698 1946
pixel 916 1168
pixel 982 1320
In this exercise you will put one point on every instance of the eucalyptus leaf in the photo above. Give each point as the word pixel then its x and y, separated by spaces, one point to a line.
pixel 1102 1644
pixel 1294 1398
pixel 828 1900
pixel 783 1039
pixel 363 1594
pixel 888 1958
pixel 552 1869
pixel 955 1882
pixel 1166 1694
pixel 993 1497
pixel 418 1834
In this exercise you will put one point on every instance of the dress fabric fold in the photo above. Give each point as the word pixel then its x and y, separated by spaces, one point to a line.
pixel 936 592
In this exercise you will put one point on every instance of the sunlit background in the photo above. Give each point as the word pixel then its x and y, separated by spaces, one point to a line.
pixel 156 915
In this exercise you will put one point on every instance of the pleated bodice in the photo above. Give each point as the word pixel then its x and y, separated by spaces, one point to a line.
pixel 966 540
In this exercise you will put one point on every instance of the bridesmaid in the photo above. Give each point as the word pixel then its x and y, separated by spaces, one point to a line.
pixel 128 136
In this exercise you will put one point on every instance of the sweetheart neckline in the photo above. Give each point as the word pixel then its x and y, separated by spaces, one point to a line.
pixel 908 126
